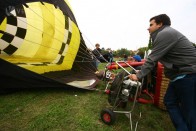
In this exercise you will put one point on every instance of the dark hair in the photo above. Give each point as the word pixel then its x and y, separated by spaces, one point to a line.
pixel 162 18
pixel 97 44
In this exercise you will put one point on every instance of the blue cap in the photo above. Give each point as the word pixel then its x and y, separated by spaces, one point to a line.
pixel 137 58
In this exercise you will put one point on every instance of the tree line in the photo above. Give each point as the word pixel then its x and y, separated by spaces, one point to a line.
pixel 122 51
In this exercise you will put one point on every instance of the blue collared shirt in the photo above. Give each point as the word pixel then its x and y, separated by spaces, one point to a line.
pixel 178 77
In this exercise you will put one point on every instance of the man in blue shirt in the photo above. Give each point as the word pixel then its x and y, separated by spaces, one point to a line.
pixel 178 55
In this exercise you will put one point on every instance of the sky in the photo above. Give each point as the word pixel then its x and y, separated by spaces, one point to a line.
pixel 120 24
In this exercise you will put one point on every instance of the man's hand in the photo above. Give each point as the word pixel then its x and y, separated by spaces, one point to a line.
pixel 133 77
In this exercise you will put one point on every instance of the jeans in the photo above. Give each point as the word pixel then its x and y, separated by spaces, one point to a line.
pixel 97 63
pixel 180 101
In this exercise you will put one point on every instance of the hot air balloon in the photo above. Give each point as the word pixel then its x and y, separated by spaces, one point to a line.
pixel 42 46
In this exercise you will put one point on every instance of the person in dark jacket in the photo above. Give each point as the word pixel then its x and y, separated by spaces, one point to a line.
pixel 97 54
pixel 178 55
pixel 125 57
pixel 110 56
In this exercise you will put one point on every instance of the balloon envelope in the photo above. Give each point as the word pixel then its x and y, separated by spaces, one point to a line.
pixel 41 46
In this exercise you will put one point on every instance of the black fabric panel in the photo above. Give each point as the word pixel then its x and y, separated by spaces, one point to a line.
pixel 20 11
pixel 61 60
pixel 12 76
pixel 42 64
pixel 66 23
pixel 21 32
pixel 84 55
pixel 7 37
pixel 10 49
pixel 15 77
pixel 62 48
pixel 69 38
pixel 12 20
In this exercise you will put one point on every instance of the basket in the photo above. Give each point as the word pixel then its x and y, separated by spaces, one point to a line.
pixel 161 87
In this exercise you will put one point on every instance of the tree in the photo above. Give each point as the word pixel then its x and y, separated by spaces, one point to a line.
pixel 141 51
pixel 122 51
pixel 194 45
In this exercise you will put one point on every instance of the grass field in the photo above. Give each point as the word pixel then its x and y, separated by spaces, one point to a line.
pixel 71 110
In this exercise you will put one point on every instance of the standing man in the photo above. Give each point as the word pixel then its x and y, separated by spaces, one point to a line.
pixel 178 55
pixel 97 53
pixel 125 57
pixel 110 56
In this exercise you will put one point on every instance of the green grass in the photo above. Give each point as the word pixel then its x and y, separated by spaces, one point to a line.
pixel 74 110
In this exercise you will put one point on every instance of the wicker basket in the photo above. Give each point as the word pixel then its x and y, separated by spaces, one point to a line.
pixel 161 87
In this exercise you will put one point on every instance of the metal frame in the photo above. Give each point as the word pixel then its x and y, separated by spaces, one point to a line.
pixel 138 89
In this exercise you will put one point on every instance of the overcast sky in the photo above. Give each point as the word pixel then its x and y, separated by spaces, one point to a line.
pixel 120 24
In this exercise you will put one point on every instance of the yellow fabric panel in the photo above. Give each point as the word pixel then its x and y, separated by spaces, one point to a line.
pixel 69 58
pixel 48 30
pixel 34 32
pixel 59 24
pixel 3 26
